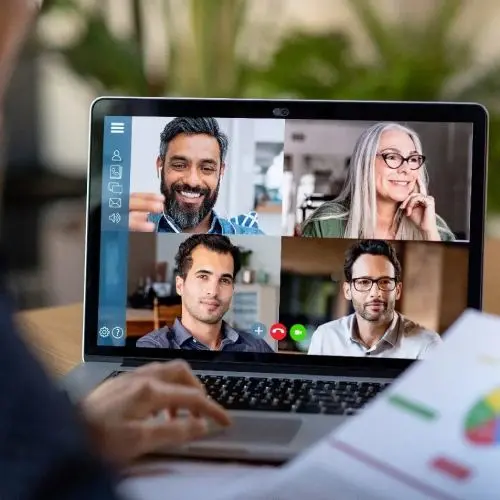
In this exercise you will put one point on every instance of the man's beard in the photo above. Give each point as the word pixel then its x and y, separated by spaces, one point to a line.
pixel 204 317
pixel 384 314
pixel 208 319
pixel 183 215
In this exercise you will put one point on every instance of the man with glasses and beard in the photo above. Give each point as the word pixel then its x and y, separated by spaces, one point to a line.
pixel 373 285
pixel 190 166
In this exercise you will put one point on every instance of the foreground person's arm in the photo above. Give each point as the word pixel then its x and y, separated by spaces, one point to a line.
pixel 44 452
pixel 49 450
pixel 44 449
pixel 16 17
pixel 157 406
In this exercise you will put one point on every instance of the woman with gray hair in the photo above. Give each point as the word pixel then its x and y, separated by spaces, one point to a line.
pixel 385 195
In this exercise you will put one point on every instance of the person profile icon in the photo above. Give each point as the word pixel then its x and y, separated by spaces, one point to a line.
pixel 116 156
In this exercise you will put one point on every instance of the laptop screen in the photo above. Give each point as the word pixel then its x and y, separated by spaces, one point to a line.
pixel 296 237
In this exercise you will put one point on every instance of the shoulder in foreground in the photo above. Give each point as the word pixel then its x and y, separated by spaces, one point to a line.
pixel 326 221
pixel 334 325
pixel 155 218
pixel 413 329
pixel 257 345
pixel 330 210
pixel 242 224
pixel 444 231
pixel 156 338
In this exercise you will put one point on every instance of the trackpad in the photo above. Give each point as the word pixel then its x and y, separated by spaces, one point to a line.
pixel 246 429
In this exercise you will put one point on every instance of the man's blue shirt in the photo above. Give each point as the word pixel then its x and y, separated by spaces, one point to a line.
pixel 240 224
pixel 178 337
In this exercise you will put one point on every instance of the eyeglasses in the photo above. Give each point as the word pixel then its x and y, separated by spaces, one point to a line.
pixel 395 160
pixel 384 284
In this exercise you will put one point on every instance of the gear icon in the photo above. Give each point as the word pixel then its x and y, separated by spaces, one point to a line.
pixel 104 331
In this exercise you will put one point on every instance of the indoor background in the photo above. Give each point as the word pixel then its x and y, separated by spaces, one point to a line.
pixel 320 49
pixel 254 166
pixel 151 276
pixel 317 155
pixel 434 282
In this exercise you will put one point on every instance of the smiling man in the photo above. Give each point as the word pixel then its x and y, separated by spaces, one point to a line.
pixel 190 165
pixel 373 284
pixel 207 265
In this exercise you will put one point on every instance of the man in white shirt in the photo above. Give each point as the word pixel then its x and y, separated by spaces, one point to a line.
pixel 373 284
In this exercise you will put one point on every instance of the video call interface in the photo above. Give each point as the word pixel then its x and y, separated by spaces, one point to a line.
pixel 320 238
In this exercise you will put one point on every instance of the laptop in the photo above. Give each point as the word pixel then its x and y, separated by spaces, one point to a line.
pixel 293 359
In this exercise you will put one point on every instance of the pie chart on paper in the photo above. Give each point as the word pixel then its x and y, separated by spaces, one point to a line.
pixel 482 423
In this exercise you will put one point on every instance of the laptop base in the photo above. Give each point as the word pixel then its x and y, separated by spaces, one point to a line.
pixel 272 437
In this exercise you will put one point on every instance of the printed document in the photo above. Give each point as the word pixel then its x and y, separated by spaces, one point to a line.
pixel 433 434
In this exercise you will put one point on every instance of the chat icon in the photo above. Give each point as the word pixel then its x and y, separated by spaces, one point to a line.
pixel 115 187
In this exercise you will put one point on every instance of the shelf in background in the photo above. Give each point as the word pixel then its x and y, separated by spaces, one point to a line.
pixel 269 208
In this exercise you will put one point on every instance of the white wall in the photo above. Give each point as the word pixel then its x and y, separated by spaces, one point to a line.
pixel 322 137
pixel 236 195
pixel 269 130
pixel 330 141
pixel 266 250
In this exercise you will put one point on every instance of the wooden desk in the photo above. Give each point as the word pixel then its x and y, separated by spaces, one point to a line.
pixel 55 333
pixel 55 336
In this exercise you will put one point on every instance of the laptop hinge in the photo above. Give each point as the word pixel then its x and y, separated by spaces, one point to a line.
pixel 196 365
pixel 354 371
pixel 134 362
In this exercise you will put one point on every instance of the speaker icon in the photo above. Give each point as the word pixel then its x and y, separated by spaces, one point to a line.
pixel 115 218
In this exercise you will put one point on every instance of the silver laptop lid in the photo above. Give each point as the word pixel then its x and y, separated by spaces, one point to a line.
pixel 349 225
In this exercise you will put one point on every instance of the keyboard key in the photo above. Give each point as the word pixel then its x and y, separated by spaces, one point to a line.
pixel 289 395
pixel 332 409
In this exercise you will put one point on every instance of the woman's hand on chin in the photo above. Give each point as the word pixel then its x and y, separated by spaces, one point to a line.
pixel 421 210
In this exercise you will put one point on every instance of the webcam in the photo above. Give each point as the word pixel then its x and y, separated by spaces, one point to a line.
pixel 281 112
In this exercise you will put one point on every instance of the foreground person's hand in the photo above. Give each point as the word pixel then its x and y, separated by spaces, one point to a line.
pixel 119 411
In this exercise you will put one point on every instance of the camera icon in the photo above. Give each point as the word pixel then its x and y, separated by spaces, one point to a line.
pixel 281 112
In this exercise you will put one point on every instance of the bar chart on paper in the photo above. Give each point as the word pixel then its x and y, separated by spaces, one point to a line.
pixel 436 432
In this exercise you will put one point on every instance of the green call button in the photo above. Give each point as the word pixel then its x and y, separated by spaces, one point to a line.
pixel 298 332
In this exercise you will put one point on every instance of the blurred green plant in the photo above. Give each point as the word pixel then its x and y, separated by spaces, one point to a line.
pixel 201 56
pixel 409 60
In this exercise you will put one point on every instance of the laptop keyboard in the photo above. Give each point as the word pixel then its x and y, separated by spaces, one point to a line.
pixel 285 395
pixel 289 395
